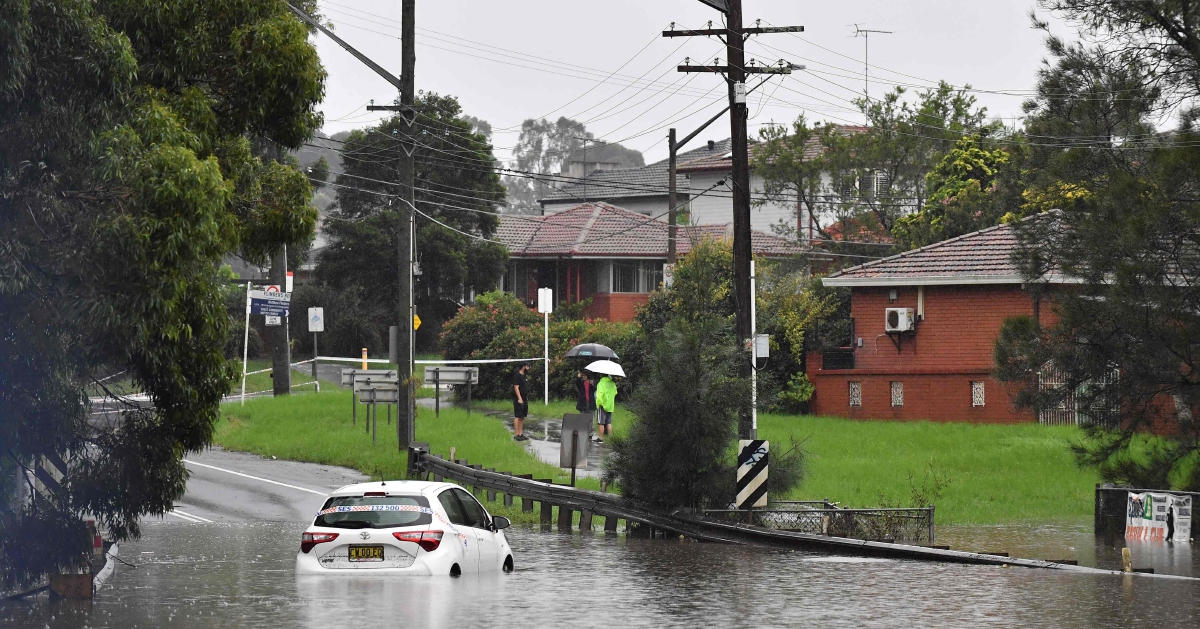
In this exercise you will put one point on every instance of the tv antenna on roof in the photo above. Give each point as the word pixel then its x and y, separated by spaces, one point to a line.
pixel 866 33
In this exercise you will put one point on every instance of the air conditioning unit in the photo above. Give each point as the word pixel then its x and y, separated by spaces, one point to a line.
pixel 899 320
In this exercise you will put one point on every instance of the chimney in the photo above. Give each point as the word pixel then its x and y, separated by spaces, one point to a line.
pixel 712 146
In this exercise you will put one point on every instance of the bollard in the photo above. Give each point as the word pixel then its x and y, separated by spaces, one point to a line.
pixel 364 358
pixel 565 516
pixel 1126 560
pixel 547 514
pixel 574 453
pixel 451 453
pixel 585 520
pixel 610 524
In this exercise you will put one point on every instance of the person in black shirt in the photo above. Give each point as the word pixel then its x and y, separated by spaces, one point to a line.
pixel 520 401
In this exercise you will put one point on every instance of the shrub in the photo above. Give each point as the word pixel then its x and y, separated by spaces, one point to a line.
pixel 527 342
pixel 686 407
pixel 477 325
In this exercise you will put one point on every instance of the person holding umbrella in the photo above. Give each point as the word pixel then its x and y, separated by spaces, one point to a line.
pixel 585 394
pixel 606 396
pixel 606 402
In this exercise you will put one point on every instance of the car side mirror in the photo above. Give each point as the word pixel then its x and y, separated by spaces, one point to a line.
pixel 500 522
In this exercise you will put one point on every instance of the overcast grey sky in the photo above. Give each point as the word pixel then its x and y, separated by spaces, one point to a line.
pixel 605 63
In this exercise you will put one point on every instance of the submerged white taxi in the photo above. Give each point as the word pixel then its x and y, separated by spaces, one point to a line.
pixel 404 528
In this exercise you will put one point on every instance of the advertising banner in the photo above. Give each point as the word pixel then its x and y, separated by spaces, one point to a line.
pixel 1158 517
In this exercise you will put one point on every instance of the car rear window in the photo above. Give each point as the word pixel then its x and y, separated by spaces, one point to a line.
pixel 374 512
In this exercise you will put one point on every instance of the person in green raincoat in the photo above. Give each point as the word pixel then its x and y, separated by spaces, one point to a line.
pixel 606 403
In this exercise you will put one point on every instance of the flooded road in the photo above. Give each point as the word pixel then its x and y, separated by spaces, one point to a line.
pixel 240 575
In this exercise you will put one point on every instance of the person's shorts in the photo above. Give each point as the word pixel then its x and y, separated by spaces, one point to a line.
pixel 520 410
pixel 604 417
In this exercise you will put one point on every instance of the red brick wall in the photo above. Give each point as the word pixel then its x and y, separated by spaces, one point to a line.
pixel 620 307
pixel 952 347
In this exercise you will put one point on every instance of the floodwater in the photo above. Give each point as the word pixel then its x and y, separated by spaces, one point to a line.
pixel 240 575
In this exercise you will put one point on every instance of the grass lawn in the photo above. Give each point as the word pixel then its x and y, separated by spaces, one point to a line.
pixel 997 473
pixel 317 428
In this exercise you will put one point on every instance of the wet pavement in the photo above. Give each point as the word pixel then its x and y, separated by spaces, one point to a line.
pixel 240 575
pixel 230 564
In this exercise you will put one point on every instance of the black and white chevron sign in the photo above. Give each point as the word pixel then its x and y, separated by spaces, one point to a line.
pixel 752 473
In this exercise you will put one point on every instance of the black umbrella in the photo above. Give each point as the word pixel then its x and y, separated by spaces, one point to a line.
pixel 593 351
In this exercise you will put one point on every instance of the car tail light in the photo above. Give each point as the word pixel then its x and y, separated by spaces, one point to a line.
pixel 427 540
pixel 308 540
pixel 371 494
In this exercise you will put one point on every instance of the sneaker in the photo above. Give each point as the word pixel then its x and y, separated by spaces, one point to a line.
pixel 521 438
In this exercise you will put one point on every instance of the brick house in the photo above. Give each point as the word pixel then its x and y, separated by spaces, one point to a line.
pixel 603 252
pixel 939 368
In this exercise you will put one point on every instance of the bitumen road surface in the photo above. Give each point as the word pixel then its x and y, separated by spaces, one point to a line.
pixel 235 487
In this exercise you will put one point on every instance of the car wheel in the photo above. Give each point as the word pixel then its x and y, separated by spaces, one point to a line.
pixel 455 571
pixel 508 564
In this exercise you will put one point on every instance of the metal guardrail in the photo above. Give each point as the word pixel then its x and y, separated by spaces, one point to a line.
pixel 588 502
pixel 904 526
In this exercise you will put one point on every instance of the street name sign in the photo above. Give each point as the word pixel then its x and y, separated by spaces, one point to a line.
pixel 270 301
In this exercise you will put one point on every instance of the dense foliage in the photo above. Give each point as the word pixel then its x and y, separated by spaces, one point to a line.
pixel 130 141
pixel 676 452
pixel 874 174
pixel 500 326
pixel 457 198
pixel 1125 235
pixel 976 185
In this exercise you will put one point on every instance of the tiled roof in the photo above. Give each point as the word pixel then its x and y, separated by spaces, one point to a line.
pixel 624 183
pixel 723 162
pixel 604 230
pixel 982 257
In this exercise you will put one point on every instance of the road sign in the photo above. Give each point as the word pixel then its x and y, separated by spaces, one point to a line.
pixel 274 320
pixel 270 301
pixel 316 319
pixel 752 473
pixel 416 322
pixel 545 300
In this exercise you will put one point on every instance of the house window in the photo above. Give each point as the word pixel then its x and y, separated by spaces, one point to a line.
pixel 604 277
pixel 897 394
pixel 855 394
pixel 635 276
pixel 883 183
pixel 977 393
pixel 625 277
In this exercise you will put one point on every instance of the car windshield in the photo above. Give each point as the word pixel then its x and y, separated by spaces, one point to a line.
pixel 374 512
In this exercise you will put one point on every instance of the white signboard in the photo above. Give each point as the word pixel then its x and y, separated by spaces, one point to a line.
pixel 1158 517
pixel 668 275
pixel 273 320
pixel 316 319
pixel 545 300
pixel 289 282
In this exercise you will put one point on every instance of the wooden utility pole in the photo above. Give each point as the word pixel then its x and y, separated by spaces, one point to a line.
pixel 735 73
pixel 405 229
pixel 671 212
pixel 406 225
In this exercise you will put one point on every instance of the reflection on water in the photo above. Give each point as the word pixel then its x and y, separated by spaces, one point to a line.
pixel 215 575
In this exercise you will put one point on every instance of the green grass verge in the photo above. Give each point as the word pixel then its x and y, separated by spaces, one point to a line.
pixel 317 428
pixel 997 473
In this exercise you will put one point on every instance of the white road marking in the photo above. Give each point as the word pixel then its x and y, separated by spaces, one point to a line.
pixel 190 515
pixel 183 516
pixel 265 480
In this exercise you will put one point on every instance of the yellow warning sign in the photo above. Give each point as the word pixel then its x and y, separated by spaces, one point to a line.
pixel 416 322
